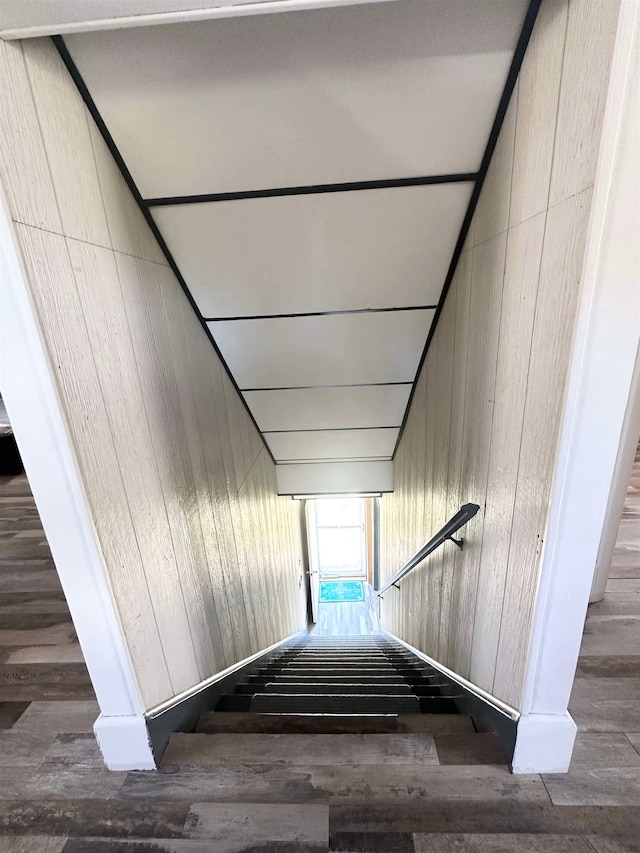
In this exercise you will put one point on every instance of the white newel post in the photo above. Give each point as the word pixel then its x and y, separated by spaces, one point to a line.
pixel 600 382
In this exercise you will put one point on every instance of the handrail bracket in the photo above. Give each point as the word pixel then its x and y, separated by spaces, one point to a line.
pixel 458 542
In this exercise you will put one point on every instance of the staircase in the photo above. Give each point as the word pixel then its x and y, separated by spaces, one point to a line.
pixel 329 745
pixel 342 676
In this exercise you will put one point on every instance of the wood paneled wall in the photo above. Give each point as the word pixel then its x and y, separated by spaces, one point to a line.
pixel 485 419
pixel 202 556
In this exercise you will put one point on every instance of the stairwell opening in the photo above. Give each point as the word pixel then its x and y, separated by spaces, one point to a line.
pixel 345 675
pixel 341 535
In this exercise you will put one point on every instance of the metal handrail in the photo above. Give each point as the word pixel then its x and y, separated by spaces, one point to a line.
pixel 464 514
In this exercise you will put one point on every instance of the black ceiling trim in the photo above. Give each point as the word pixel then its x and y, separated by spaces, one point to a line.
pixel 313 495
pixel 316 460
pixel 512 76
pixel 312 189
pixel 126 174
pixel 321 313
pixel 328 429
pixel 313 387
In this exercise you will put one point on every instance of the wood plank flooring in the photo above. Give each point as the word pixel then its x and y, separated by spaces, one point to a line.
pixel 349 618
pixel 57 797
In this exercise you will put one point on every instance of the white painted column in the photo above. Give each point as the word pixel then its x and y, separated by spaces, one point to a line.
pixel 28 387
pixel 599 386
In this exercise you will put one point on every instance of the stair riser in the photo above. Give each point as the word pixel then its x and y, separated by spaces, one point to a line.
pixel 213 723
pixel 335 704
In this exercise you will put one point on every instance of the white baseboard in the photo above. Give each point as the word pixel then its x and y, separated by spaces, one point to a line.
pixel 124 742
pixel 544 743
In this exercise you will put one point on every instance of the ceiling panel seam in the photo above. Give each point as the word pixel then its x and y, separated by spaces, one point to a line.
pixel 321 313
pixel 313 189
pixel 126 174
pixel 342 385
pixel 328 429
pixel 512 76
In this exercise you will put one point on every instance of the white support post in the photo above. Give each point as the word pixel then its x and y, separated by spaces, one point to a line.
pixel 28 387
pixel 600 382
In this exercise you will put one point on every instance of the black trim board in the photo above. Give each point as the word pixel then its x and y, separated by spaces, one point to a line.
pixel 485 716
pixel 331 460
pixel 307 495
pixel 344 385
pixel 312 189
pixel 320 313
pixel 328 429
pixel 512 76
pixel 184 714
pixel 126 174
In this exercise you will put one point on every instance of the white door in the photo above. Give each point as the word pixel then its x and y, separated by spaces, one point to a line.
pixel 314 569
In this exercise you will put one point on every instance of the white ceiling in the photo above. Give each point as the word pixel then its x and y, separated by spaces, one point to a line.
pixel 357 407
pixel 356 93
pixel 397 90
pixel 33 18
pixel 375 249
pixel 336 349
pixel 332 444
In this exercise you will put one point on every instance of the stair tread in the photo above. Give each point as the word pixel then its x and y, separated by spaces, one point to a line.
pixel 197 750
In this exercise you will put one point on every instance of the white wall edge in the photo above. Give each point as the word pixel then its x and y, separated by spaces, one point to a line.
pixel 203 685
pixel 233 10
pixel 605 347
pixel 124 742
pixel 29 389
pixel 544 743
pixel 619 487
pixel 498 704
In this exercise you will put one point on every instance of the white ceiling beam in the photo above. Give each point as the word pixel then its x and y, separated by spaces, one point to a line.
pixel 20 19
pixel 333 478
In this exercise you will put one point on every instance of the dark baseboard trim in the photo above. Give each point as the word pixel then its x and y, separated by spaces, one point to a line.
pixel 488 713
pixel 181 713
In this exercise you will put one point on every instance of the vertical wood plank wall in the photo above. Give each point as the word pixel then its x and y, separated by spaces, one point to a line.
pixel 201 554
pixel 484 422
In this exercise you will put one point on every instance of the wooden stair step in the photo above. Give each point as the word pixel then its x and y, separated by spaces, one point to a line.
pixel 211 750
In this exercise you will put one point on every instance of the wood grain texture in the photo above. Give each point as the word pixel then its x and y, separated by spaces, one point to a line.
pixel 591 32
pixel 485 310
pixel 54 291
pixel 128 230
pixel 551 344
pixel 23 161
pixel 508 338
pixel 201 554
pixel 492 213
pixel 538 94
pixel 524 251
pixel 105 295
pixel 65 133
pixel 461 292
